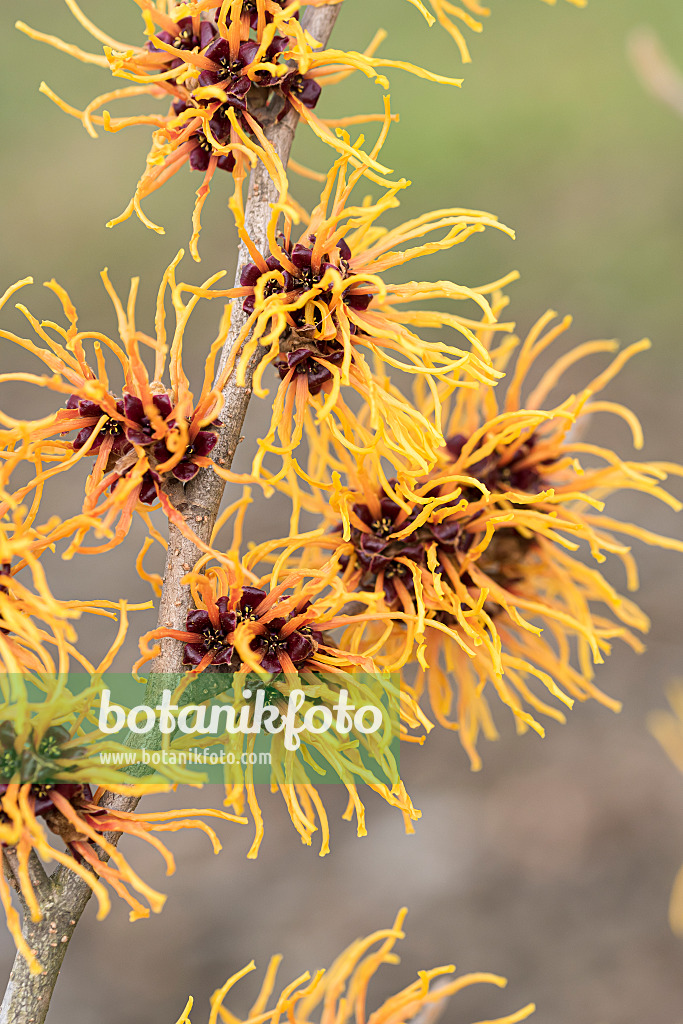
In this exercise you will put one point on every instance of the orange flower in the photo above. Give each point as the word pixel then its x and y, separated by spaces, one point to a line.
pixel 223 73
pixel 473 564
pixel 80 821
pixel 322 311
pixel 263 634
pixel 342 990
pixel 141 435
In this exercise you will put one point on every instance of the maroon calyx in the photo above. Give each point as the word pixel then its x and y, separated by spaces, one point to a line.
pixel 306 361
pixel 250 276
pixel 377 552
pixel 217 638
pixel 250 7
pixel 142 431
pixel 213 643
pixel 112 427
pixel 202 147
pixel 78 794
pixel 229 73
pixel 250 599
pixel 304 88
pixel 185 39
pixel 499 476
pixel 299 645
pixel 201 446
pixel 150 485
pixel 149 491
pixel 305 277
pixel 210 638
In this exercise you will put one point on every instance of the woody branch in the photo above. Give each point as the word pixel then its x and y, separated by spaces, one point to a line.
pixel 63 896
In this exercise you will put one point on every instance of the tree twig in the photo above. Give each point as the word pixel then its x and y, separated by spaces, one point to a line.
pixel 27 998
pixel 62 898
pixel 202 496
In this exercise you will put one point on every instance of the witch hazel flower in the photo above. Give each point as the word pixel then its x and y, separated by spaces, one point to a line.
pixel 474 564
pixel 246 627
pixel 324 310
pixel 138 435
pixel 330 992
pixel 192 33
pixel 224 68
pixel 275 638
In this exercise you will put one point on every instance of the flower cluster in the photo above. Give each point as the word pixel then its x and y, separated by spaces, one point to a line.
pixel 268 632
pixel 278 637
pixel 48 808
pixel 453 529
pixel 228 69
pixel 279 644
pixel 473 562
pixel 140 437
pixel 321 310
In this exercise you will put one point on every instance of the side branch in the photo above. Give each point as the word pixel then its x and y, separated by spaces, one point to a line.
pixel 62 897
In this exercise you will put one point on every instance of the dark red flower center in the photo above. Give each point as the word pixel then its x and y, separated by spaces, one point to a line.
pixel 297 84
pixel 498 475
pixel 213 638
pixel 307 278
pixel 304 277
pixel 383 527
pixel 270 644
pixel 112 427
pixel 229 68
pixel 377 553
pixel 271 287
pixel 40 796
pixel 273 642
pixel 185 39
pixel 246 614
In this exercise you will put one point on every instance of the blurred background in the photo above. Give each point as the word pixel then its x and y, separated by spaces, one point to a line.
pixel 553 865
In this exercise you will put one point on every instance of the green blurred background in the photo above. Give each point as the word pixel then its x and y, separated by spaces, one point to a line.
pixel 553 866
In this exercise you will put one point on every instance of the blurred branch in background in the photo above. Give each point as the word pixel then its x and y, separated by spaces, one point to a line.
pixel 655 69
